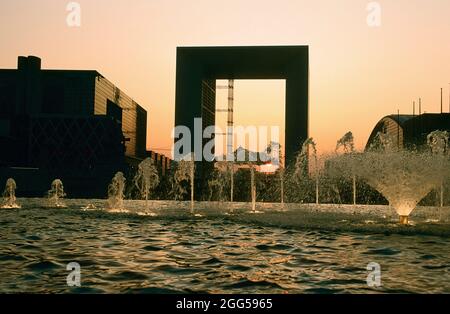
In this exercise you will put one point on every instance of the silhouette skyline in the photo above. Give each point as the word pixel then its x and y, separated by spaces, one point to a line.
pixel 358 73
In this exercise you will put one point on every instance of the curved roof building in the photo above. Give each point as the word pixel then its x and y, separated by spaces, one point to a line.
pixel 410 131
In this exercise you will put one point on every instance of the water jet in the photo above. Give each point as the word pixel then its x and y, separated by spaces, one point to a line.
pixel 404 220
pixel 146 178
pixel 56 194
pixel 115 192
pixel 9 195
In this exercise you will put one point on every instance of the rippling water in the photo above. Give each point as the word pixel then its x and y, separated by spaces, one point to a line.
pixel 134 254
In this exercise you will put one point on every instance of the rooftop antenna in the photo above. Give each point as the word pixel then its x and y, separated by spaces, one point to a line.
pixel 420 106
pixel 441 102
pixel 414 115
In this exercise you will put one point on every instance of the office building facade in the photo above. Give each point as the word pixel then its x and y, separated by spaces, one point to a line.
pixel 71 124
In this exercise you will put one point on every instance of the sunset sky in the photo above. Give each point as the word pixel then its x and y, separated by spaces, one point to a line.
pixel 358 74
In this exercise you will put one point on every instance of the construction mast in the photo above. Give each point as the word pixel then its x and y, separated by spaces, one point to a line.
pixel 229 132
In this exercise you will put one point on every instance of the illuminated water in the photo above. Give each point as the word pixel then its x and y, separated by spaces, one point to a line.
pixel 56 194
pixel 307 250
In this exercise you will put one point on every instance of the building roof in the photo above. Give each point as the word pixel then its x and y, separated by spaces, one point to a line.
pixel 400 120
pixel 413 126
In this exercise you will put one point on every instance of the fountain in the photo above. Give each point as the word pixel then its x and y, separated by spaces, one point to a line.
pixel 346 143
pixel 253 188
pixel 56 194
pixel 384 142
pixel 281 174
pixel 403 177
pixel 302 161
pixel 438 143
pixel 115 193
pixel 146 178
pixel 231 167
pixel 217 184
pixel 9 195
pixel 274 149
pixel 88 207
pixel 185 172
pixel 348 146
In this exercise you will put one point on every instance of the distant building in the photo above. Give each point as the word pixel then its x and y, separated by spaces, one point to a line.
pixel 410 131
pixel 261 161
pixel 71 124
pixel 161 162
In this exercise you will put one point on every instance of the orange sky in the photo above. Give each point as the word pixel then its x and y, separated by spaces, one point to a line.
pixel 357 73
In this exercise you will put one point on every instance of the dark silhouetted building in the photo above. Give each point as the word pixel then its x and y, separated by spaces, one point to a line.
pixel 410 131
pixel 161 162
pixel 69 124
pixel 198 68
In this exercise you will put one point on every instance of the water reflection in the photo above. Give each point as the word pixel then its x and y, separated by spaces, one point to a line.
pixel 120 253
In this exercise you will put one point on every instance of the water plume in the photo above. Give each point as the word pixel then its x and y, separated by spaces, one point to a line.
pixel 56 194
pixel 9 195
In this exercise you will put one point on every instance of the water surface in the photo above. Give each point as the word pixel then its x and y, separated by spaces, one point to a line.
pixel 124 253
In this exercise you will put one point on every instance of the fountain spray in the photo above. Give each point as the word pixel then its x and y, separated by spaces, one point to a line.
pixel 231 164
pixel 9 194
pixel 305 149
pixel 192 186
pixel 301 165
pixel 281 185
pixel 277 156
pixel 115 192
pixel 253 188
pixel 146 178
pixel 185 172
pixel 56 193
pixel 403 177
pixel 438 143
pixel 348 146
